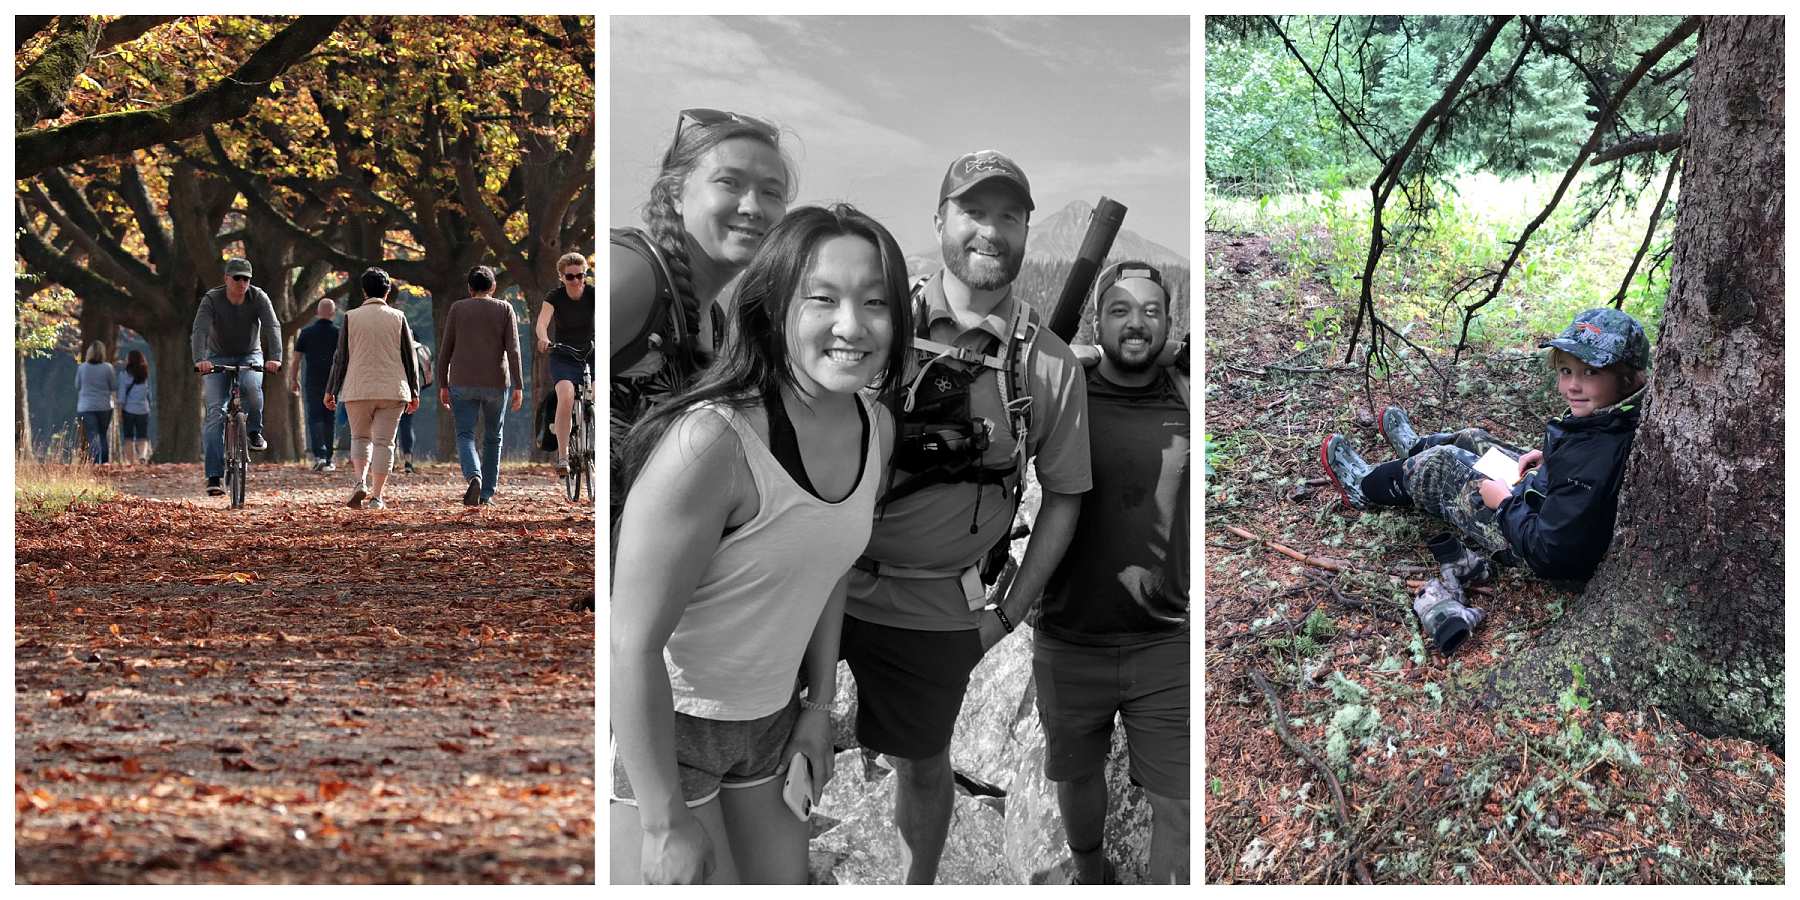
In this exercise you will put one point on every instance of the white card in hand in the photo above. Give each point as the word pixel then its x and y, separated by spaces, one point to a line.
pixel 1498 466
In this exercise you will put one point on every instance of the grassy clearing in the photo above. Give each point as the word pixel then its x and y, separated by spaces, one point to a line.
pixel 1324 235
pixel 45 490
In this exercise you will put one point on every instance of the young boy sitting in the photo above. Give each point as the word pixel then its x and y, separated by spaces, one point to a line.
pixel 1558 519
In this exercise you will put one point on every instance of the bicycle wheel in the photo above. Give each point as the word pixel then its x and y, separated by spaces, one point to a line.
pixel 572 480
pixel 587 448
pixel 239 463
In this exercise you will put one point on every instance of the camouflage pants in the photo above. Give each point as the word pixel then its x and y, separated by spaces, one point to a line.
pixel 1441 479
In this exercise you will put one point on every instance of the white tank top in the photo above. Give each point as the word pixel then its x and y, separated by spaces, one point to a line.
pixel 738 647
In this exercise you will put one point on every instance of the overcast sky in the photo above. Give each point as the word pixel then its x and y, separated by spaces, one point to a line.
pixel 873 109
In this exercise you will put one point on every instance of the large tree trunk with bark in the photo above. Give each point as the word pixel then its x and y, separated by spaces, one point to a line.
pixel 1686 612
pixel 177 406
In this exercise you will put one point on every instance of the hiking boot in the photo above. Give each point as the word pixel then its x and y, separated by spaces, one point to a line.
pixel 356 496
pixel 257 442
pixel 562 467
pixel 472 496
pixel 377 503
pixel 1346 469
pixel 1397 428
pixel 215 487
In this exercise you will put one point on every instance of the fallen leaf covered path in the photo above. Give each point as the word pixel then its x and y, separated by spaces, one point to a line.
pixel 297 691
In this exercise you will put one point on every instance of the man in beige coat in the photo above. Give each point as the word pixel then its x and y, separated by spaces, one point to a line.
pixel 376 376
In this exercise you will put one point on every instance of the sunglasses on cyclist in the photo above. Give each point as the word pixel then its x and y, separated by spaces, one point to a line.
pixel 708 117
pixel 574 276
pixel 240 278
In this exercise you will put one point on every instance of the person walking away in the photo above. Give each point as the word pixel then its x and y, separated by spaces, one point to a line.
pixel 134 409
pixel 316 345
pixel 567 318
pixel 478 359
pixel 407 438
pixel 1111 634
pixel 375 375
pixel 235 325
pixel 748 497
pixel 95 383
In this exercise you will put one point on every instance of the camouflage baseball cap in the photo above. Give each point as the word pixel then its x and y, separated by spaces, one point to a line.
pixel 1601 337
pixel 237 265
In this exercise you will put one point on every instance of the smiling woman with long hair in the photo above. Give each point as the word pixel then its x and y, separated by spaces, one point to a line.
pixel 747 499
pixel 722 184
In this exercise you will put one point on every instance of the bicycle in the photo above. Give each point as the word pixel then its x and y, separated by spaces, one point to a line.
pixel 581 430
pixel 237 437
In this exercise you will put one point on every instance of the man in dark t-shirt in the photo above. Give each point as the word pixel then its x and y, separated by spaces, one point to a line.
pixel 315 345
pixel 1111 634
pixel 566 318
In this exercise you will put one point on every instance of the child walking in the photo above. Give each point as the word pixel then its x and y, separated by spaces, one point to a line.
pixel 1558 519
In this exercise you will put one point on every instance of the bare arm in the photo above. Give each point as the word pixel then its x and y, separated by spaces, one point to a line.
pixel 633 296
pixel 689 491
pixel 542 326
pixel 1051 532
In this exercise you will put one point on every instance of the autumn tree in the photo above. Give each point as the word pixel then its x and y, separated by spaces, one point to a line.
pixel 1686 612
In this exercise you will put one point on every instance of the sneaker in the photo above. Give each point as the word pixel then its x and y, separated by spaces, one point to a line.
pixel 487 501
pixel 356 496
pixel 562 466
pixel 215 487
pixel 472 496
pixel 257 442
pixel 377 503
pixel 1346 469
pixel 408 468
pixel 1397 428
pixel 329 466
pixel 318 465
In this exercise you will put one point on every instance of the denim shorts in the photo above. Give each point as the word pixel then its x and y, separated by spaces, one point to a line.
pixel 711 754
pixel 563 368
pixel 134 426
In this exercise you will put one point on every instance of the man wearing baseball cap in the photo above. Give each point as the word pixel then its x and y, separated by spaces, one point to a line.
pixel 234 326
pixel 918 618
pixel 1558 517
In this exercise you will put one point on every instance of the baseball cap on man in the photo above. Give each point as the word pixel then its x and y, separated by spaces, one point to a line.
pixel 1603 336
pixel 237 265
pixel 971 169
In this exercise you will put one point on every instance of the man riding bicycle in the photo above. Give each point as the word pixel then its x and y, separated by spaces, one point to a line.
pixel 567 317
pixel 235 326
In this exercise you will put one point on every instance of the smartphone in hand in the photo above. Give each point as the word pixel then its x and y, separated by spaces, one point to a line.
pixel 797 791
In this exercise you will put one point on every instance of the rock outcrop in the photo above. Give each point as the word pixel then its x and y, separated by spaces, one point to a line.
pixel 1006 828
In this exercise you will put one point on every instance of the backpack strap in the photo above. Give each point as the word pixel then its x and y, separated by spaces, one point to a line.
pixel 665 308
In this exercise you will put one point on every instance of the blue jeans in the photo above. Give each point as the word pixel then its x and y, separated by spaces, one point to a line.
pixel 216 387
pixel 466 403
pixel 405 433
pixel 95 423
pixel 319 425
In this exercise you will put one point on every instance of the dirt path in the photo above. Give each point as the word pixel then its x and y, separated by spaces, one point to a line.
pixel 1438 787
pixel 301 692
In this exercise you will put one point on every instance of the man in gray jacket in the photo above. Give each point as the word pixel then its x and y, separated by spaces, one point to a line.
pixel 235 326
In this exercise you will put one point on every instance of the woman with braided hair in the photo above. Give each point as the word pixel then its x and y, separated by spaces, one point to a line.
pixel 723 184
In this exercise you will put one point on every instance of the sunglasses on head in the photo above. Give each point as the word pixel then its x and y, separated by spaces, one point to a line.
pixel 708 117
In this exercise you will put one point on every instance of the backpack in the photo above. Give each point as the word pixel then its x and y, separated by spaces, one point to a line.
pixel 940 441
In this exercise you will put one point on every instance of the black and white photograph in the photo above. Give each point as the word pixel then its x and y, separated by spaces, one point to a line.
pixel 899 450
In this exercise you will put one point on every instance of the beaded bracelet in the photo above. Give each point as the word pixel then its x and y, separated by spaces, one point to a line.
pixel 1005 622
pixel 806 703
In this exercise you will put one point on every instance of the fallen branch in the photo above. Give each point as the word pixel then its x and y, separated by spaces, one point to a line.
pixel 1291 370
pixel 1279 719
pixel 1327 563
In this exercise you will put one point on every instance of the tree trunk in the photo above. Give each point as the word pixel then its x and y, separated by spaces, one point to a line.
pixel 177 406
pixel 1686 612
pixel 21 408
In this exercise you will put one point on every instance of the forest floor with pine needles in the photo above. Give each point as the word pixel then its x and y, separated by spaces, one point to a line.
pixel 1341 746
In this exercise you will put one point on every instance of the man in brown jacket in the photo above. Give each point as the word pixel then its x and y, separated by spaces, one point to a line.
pixel 477 355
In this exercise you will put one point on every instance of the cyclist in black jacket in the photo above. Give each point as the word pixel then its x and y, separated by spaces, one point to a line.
pixel 234 326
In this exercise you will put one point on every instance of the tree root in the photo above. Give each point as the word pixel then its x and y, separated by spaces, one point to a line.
pixel 1279 719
